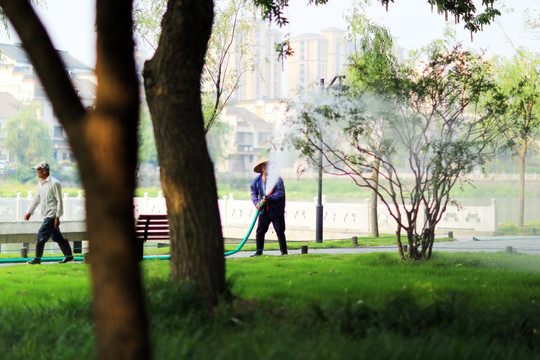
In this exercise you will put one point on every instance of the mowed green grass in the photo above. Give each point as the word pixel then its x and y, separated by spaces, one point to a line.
pixel 484 280
pixel 368 306
pixel 362 241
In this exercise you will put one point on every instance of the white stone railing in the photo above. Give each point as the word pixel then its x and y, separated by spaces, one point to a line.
pixel 13 209
pixel 338 217
pixel 355 217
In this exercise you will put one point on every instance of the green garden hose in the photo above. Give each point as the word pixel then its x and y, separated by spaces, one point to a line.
pixel 148 257
pixel 43 259
pixel 246 237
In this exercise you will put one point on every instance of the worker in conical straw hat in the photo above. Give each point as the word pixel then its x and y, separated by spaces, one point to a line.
pixel 269 199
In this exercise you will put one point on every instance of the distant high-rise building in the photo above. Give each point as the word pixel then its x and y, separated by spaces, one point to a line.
pixel 263 80
pixel 316 56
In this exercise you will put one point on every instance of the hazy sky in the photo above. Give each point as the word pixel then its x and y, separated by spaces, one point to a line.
pixel 71 24
pixel 415 25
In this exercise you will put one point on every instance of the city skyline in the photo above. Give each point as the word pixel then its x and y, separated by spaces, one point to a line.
pixel 71 25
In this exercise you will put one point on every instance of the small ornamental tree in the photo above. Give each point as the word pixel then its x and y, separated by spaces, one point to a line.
pixel 373 69
pixel 429 132
pixel 518 106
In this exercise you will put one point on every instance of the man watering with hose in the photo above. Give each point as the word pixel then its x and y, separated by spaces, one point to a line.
pixel 268 195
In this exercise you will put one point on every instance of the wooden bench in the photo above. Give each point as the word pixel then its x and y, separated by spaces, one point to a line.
pixel 151 227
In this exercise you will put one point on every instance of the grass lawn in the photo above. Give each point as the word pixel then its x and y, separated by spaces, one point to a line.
pixel 368 306
pixel 529 228
pixel 384 240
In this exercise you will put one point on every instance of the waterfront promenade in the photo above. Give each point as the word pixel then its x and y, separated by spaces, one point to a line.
pixel 520 245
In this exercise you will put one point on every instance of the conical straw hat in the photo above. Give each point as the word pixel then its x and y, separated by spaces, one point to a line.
pixel 258 166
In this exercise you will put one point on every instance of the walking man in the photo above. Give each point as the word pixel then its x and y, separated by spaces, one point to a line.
pixel 271 205
pixel 49 195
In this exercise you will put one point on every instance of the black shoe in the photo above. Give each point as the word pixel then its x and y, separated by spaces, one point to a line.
pixel 34 261
pixel 66 259
pixel 282 254
pixel 256 254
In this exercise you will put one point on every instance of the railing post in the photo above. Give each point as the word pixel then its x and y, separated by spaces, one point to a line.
pixel 145 203
pixel 495 214
pixel 18 206
pixel 67 207
pixel 30 197
pixel 223 210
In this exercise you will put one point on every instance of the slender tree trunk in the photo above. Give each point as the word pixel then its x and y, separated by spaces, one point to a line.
pixel 172 84
pixel 104 142
pixel 414 240
pixel 400 244
pixel 374 201
pixel 521 216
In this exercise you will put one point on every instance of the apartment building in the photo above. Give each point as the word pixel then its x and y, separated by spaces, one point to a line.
pixel 20 86
pixel 257 109
pixel 265 81
pixel 252 127
pixel 316 56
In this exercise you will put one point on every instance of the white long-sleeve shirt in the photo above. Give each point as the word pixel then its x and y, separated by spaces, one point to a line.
pixel 49 194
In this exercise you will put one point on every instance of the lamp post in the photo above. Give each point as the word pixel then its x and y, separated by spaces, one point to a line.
pixel 319 206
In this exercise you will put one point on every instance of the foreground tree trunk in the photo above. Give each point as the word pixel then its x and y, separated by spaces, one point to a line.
pixel 172 85
pixel 104 142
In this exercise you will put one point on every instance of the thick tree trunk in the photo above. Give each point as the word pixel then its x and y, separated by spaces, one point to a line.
pixel 118 301
pixel 104 142
pixel 521 216
pixel 108 173
pixel 172 85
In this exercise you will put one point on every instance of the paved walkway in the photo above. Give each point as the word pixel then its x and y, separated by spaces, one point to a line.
pixel 519 244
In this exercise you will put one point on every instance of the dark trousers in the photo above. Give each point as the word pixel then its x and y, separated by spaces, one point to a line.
pixel 279 227
pixel 46 231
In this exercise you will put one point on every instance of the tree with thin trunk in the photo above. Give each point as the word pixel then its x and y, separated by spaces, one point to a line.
pixel 519 107
pixel 372 70
pixel 104 142
pixel 432 135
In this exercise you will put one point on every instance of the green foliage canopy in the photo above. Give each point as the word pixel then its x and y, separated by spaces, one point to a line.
pixel 147 144
pixel 423 118
pixel 519 97
pixel 27 138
